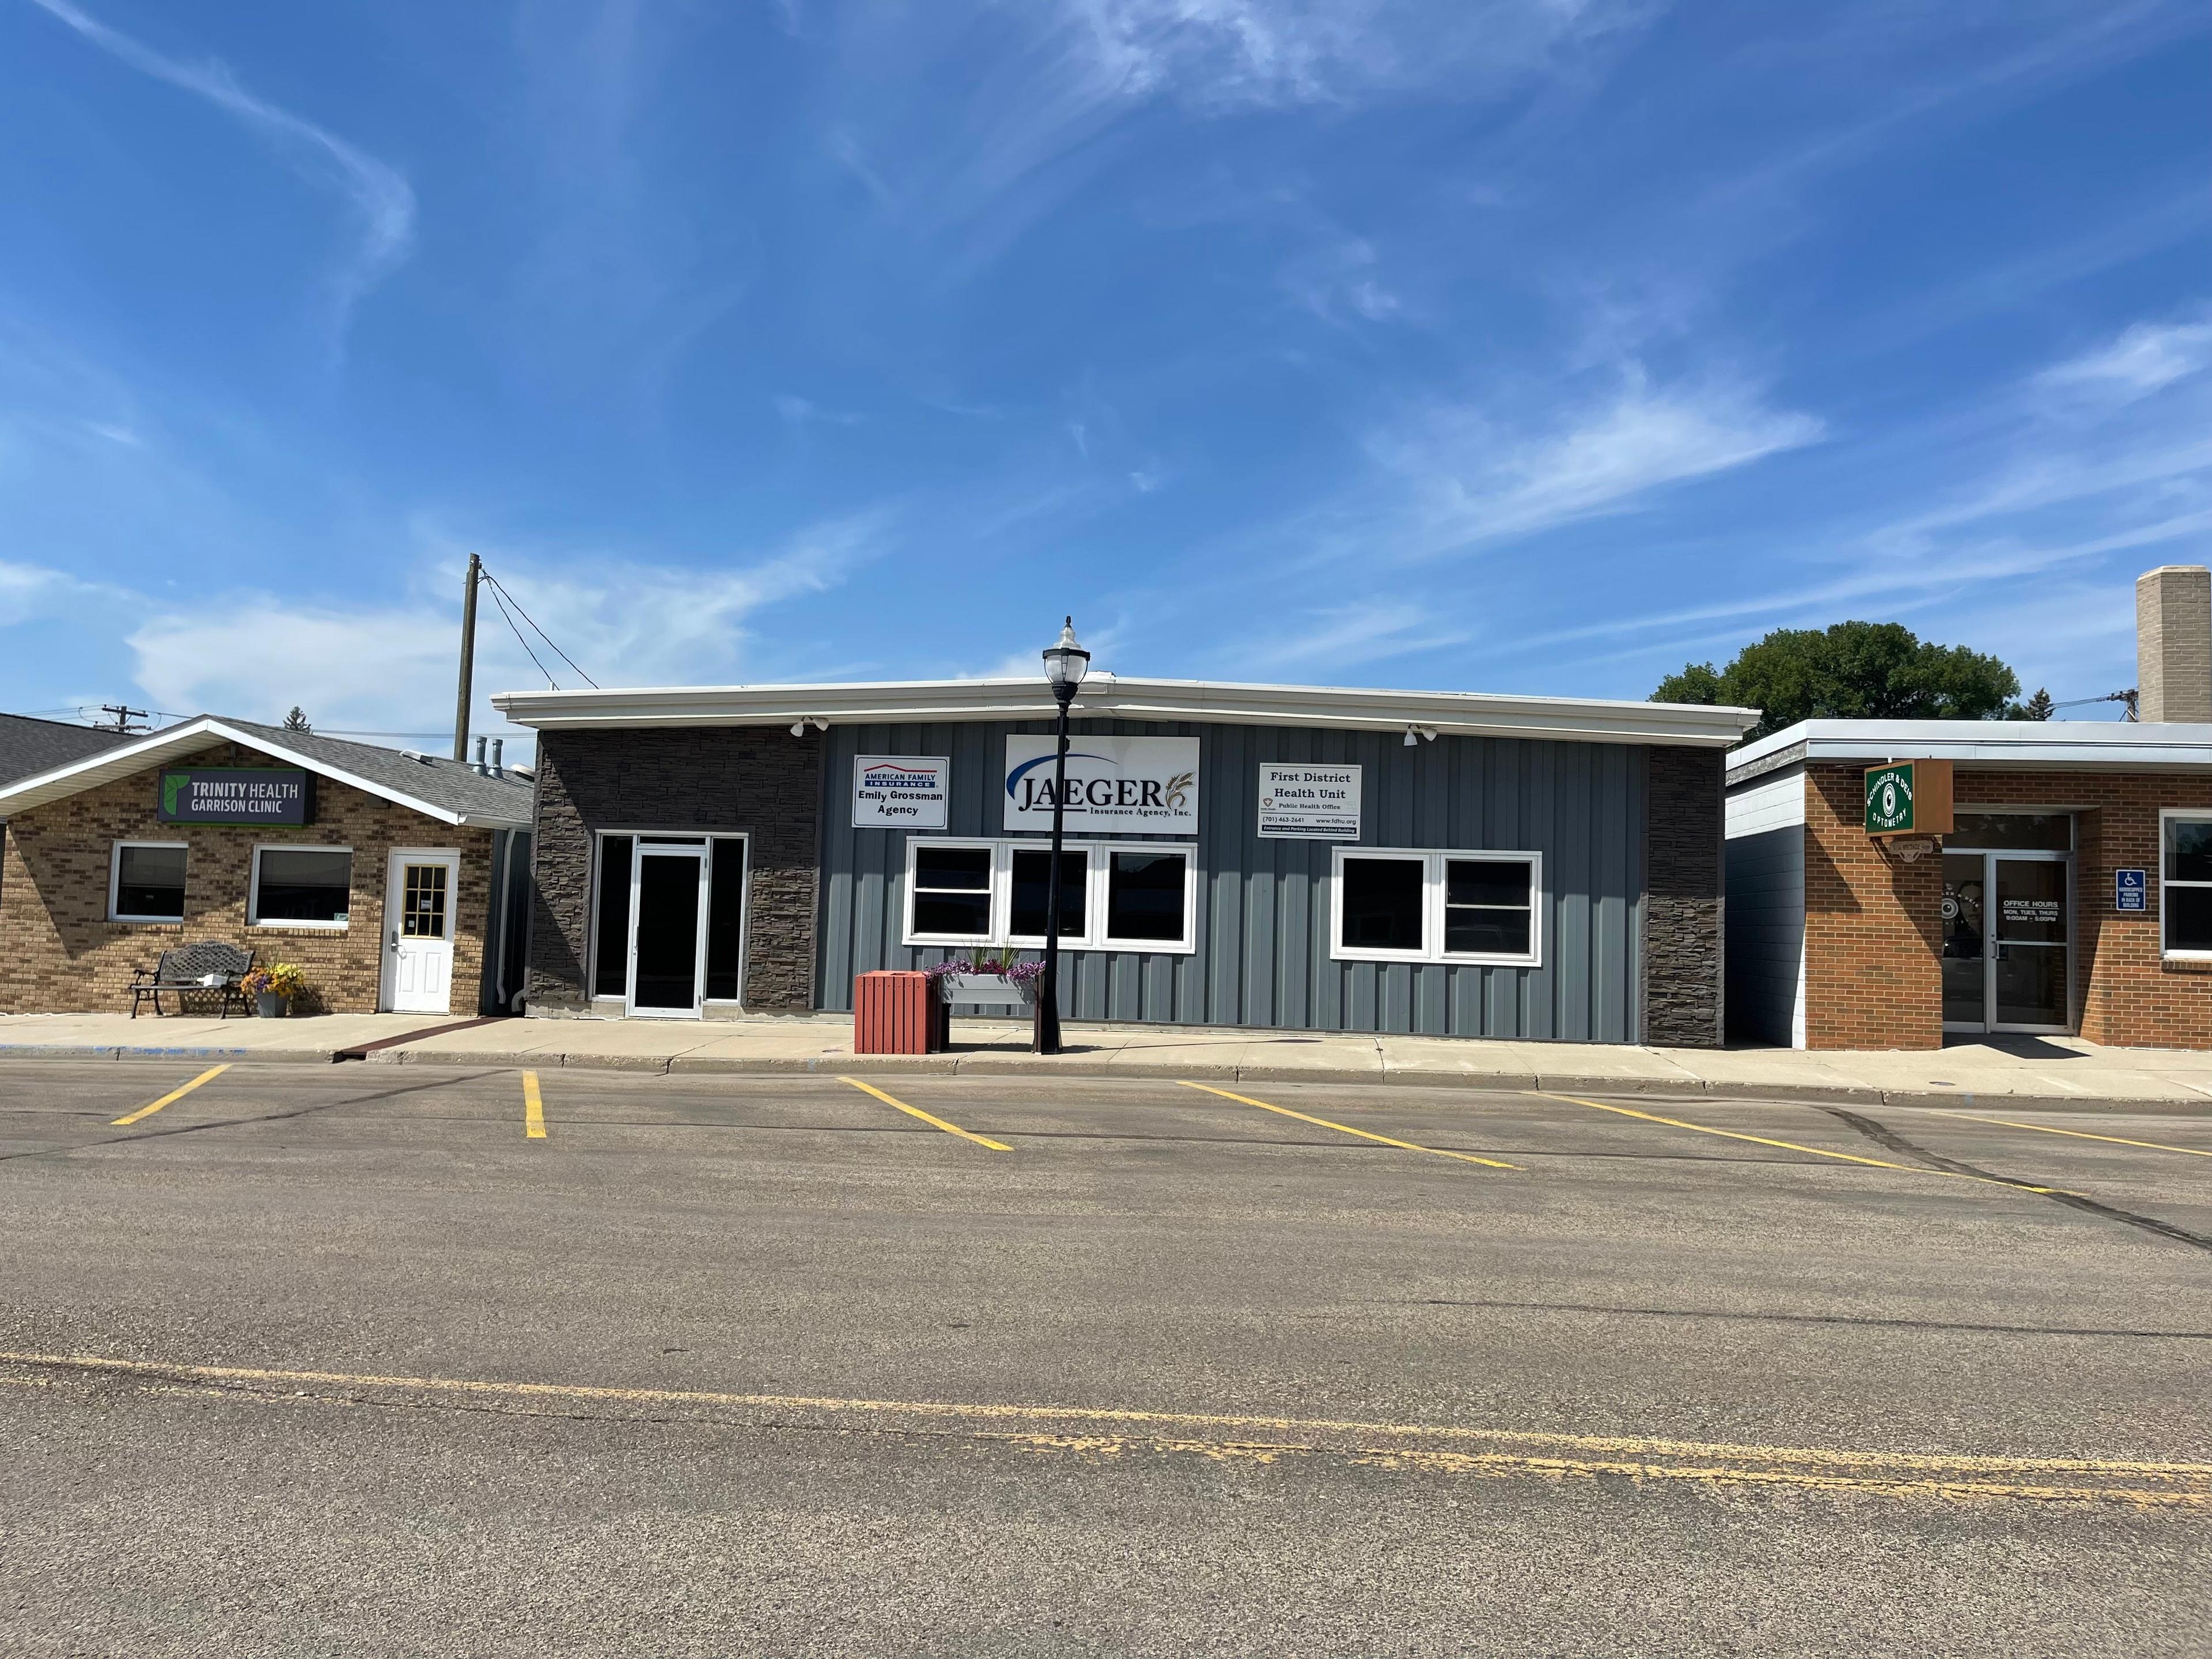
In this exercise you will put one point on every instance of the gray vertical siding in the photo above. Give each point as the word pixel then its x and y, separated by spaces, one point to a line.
pixel 1263 952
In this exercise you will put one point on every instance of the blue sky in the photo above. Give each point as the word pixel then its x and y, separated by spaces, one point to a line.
pixel 1515 345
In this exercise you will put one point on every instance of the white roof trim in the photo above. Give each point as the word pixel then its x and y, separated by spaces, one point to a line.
pixel 2110 745
pixel 190 738
pixel 1467 713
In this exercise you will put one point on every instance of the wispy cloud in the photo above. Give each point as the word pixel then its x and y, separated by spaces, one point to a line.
pixel 380 196
pixel 1346 636
pixel 2148 358
pixel 1475 477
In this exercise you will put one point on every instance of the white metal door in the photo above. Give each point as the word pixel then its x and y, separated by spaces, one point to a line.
pixel 420 892
pixel 667 930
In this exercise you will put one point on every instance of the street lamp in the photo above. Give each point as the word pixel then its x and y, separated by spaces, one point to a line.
pixel 1063 663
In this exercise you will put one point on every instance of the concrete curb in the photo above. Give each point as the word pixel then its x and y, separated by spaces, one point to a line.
pixel 179 1051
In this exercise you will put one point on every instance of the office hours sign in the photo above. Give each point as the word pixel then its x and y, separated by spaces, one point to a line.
pixel 900 791
pixel 1309 803
pixel 1142 786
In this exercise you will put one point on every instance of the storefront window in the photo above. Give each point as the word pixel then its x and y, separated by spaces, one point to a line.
pixel 2186 890
pixel 726 919
pixel 2012 832
pixel 1381 905
pixel 952 889
pixel 1437 907
pixel 1113 896
pixel 1145 896
pixel 1030 894
pixel 302 886
pixel 1486 907
pixel 611 960
pixel 148 883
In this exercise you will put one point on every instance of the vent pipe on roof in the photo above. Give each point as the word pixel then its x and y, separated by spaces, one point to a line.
pixel 498 769
pixel 2173 643
pixel 478 765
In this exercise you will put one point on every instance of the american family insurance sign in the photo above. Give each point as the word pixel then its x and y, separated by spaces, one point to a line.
pixel 1145 786
pixel 900 791
pixel 233 794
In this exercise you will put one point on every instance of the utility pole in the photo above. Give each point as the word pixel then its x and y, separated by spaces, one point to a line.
pixel 124 716
pixel 468 660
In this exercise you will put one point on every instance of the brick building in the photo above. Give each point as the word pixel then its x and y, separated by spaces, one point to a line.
pixel 391 878
pixel 1279 857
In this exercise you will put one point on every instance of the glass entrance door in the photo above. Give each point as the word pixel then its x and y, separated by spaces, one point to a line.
pixel 668 934
pixel 2007 942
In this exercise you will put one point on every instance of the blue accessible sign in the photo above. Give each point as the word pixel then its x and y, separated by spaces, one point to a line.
pixel 2130 889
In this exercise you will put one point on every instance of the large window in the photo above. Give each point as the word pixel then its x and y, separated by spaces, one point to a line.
pixel 1114 895
pixel 301 886
pixel 2185 892
pixel 146 882
pixel 1393 905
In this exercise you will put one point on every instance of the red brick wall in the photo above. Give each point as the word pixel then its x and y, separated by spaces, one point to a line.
pixel 60 954
pixel 1873 933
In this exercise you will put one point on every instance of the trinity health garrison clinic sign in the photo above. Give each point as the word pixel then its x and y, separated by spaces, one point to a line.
pixel 1147 786
pixel 233 794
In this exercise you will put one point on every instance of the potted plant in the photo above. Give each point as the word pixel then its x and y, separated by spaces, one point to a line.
pixel 272 988
pixel 1007 983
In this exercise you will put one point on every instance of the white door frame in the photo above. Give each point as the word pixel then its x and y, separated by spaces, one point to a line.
pixel 640 851
pixel 388 949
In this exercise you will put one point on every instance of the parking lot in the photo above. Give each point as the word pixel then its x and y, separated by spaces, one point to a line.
pixel 351 1359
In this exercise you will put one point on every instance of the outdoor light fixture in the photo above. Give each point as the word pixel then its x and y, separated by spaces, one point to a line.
pixel 1415 734
pixel 799 726
pixel 1063 663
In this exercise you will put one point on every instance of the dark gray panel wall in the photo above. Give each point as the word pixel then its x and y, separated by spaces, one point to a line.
pixel 1262 958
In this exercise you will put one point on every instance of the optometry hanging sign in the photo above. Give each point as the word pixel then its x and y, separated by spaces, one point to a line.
pixel 900 791
pixel 1147 785
pixel 1309 803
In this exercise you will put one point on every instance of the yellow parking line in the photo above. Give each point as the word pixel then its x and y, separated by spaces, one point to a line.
pixel 2080 1135
pixel 1346 1129
pixel 174 1094
pixel 934 1122
pixel 533 1108
pixel 1793 1146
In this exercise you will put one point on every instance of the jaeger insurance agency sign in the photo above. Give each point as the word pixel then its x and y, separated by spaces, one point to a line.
pixel 1134 785
pixel 233 794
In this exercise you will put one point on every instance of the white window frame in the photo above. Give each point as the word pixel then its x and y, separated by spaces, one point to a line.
pixel 1097 877
pixel 280 924
pixel 115 880
pixel 598 869
pixel 1434 890
pixel 2167 815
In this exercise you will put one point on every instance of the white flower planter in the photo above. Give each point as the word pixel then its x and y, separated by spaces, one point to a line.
pixel 984 989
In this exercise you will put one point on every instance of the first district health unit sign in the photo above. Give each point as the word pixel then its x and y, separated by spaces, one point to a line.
pixel 235 794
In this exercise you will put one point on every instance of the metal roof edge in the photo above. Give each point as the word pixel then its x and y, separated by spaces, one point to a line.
pixel 2108 744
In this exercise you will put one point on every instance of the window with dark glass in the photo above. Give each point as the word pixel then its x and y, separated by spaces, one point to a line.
pixel 611 958
pixel 1488 907
pixel 1380 904
pixel 1145 894
pixel 726 919
pixel 2011 832
pixel 311 884
pixel 2186 890
pixel 1030 894
pixel 150 884
pixel 952 891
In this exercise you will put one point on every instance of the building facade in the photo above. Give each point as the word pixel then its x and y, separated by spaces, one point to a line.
pixel 390 880
pixel 1284 858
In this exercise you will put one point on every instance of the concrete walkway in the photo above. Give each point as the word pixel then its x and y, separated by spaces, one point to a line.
pixel 2023 1071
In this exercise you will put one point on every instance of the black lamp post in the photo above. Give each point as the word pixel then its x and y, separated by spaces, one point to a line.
pixel 1063 663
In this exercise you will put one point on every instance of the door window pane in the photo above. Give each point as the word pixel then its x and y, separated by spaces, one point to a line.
pixel 610 959
pixel 423 901
pixel 2031 902
pixel 726 919
pixel 1965 995
pixel 2012 832
pixel 1487 906
pixel 1030 894
pixel 668 931
pixel 299 884
pixel 1380 904
pixel 150 882
pixel 2031 984
pixel 2188 849
pixel 1145 896
pixel 952 891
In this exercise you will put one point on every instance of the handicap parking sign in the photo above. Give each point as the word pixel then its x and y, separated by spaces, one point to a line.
pixel 2130 889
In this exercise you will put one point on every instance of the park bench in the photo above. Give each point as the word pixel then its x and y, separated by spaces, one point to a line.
pixel 208 968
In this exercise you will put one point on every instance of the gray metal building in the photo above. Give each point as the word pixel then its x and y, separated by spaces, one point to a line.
pixel 1481 866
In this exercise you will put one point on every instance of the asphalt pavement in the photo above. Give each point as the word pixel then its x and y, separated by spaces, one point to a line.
pixel 365 1360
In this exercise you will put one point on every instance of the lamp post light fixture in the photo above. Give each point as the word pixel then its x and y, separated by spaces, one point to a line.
pixel 1063 663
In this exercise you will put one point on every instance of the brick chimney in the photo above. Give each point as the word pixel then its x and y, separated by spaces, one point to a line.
pixel 2173 643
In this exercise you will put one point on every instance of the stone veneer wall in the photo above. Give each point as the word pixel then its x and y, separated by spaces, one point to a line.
pixel 1683 981
pixel 1874 934
pixel 761 780
pixel 60 954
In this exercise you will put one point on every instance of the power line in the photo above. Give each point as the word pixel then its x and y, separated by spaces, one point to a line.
pixel 500 587
pixel 517 634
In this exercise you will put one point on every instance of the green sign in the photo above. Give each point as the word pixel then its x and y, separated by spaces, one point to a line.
pixel 1889 799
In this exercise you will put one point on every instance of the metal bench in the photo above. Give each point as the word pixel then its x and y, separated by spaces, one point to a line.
pixel 208 969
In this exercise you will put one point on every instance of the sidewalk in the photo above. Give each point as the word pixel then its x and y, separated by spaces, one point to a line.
pixel 2005 1071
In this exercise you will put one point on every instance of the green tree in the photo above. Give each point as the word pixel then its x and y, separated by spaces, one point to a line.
pixel 2037 708
pixel 1855 671
pixel 297 720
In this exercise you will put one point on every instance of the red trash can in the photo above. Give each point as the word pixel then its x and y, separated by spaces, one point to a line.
pixel 896 1013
